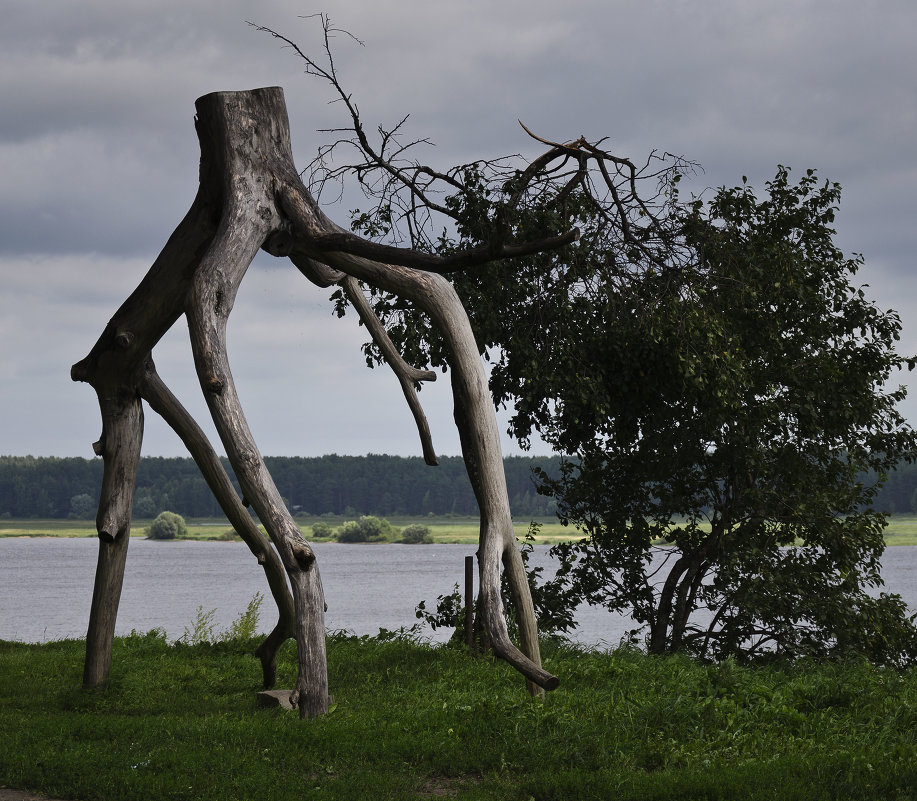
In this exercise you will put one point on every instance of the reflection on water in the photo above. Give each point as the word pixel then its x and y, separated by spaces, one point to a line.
pixel 46 586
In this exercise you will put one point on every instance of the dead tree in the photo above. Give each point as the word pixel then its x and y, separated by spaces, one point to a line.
pixel 251 197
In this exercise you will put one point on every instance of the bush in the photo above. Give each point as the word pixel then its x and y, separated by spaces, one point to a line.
pixel 416 534
pixel 322 530
pixel 351 531
pixel 367 529
pixel 167 526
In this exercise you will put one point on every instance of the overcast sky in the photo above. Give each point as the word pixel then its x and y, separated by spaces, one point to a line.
pixel 98 164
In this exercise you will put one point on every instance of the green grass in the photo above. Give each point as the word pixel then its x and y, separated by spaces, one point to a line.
pixel 443 529
pixel 14 527
pixel 417 722
pixel 902 529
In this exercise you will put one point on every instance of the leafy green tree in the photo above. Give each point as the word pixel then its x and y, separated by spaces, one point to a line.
pixel 144 505
pixel 721 415
pixel 718 381
pixel 386 485
pixel 167 526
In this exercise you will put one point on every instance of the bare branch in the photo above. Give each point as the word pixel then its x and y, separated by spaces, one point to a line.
pixel 407 375
pixel 348 243
pixel 572 146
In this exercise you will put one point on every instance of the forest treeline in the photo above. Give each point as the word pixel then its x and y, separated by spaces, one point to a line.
pixel 341 485
pixel 51 487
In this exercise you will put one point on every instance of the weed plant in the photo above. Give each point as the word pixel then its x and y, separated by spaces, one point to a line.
pixel 414 721
pixel 243 628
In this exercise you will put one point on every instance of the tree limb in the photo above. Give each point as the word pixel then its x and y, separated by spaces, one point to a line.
pixel 155 392
pixel 407 375
pixel 404 257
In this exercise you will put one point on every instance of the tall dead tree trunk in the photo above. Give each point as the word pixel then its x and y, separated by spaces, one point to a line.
pixel 251 197
pixel 119 366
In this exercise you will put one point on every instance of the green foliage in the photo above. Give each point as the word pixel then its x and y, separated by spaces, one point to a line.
pixel 367 529
pixel 720 385
pixel 245 626
pixel 202 628
pixel 242 629
pixel 322 530
pixel 731 411
pixel 144 505
pixel 82 506
pixel 374 484
pixel 555 601
pixel 167 526
pixel 448 612
pixel 416 534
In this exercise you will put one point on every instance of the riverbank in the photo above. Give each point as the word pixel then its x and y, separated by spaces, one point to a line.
pixel 412 721
pixel 902 529
pixel 443 530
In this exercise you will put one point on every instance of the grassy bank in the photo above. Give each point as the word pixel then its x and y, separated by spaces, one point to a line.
pixel 902 529
pixel 415 722
pixel 442 529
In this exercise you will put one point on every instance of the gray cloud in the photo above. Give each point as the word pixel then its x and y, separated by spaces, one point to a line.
pixel 98 161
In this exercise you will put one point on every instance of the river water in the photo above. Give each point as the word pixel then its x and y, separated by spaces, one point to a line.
pixel 46 586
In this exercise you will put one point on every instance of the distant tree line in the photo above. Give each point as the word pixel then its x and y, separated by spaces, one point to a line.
pixel 51 487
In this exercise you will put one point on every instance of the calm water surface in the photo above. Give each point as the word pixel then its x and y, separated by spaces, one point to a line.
pixel 46 586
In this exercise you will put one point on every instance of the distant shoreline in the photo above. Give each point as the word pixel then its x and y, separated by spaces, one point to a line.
pixel 902 529
pixel 444 530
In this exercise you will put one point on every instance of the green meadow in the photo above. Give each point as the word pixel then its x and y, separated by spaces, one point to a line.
pixel 902 529
pixel 414 721
pixel 442 529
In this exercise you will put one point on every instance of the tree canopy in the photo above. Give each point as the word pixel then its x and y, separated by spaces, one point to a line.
pixel 730 413
pixel 713 372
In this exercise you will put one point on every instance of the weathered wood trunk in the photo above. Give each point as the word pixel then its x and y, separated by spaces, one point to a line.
pixel 476 422
pixel 119 446
pixel 165 404
pixel 251 197
pixel 214 243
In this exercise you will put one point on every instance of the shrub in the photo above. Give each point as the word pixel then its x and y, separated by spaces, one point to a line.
pixel 167 526
pixel 367 529
pixel 351 532
pixel 416 534
pixel 322 530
